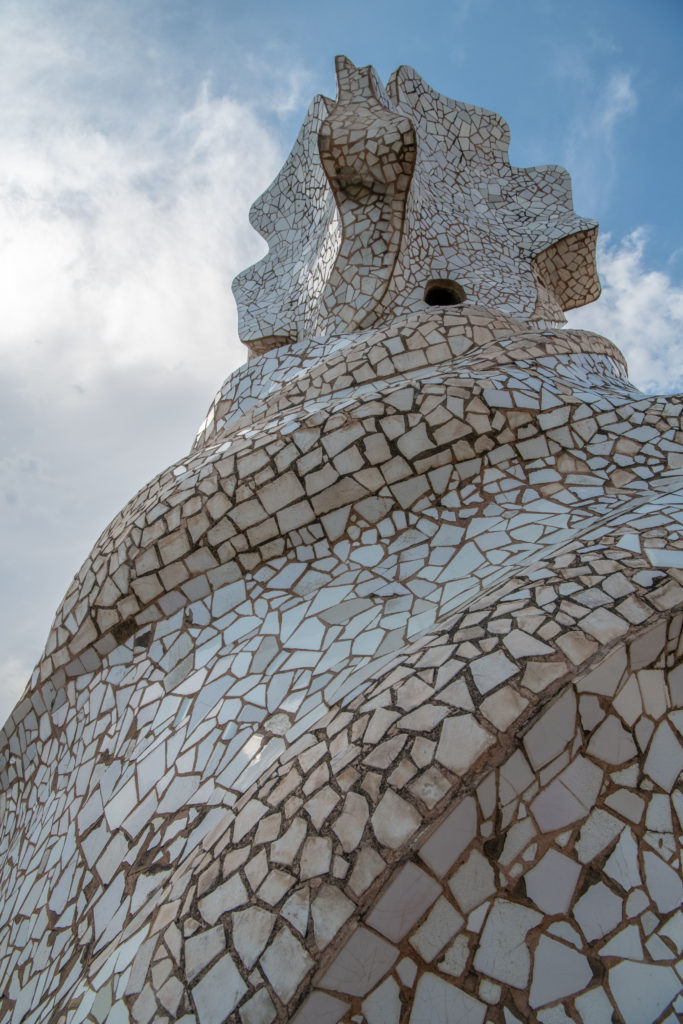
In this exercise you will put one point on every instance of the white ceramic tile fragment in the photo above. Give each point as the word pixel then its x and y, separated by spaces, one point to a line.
pixel 611 743
pixel 491 670
pixel 440 926
pixel 642 991
pixel 383 1006
pixel 225 897
pixel 361 963
pixel 622 864
pixel 438 1002
pixel 552 732
pixel 320 1008
pixel 559 971
pixel 550 884
pixel 461 743
pixel 330 910
pixel 394 820
pixel 251 929
pixel 663 883
pixel 569 796
pixel 472 883
pixel 445 845
pixel 404 901
pixel 285 963
pixel 218 992
pixel 502 952
pixel 594 1007
pixel 201 949
pixel 259 1009
pixel 664 761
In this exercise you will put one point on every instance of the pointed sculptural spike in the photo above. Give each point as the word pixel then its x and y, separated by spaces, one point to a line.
pixel 342 63
pixel 357 85
pixel 368 152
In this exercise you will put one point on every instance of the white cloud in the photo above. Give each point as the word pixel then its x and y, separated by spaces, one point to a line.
pixel 123 219
pixel 641 311
pixel 618 100
pixel 119 249
pixel 591 145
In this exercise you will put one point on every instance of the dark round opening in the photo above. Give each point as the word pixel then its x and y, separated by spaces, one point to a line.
pixel 444 293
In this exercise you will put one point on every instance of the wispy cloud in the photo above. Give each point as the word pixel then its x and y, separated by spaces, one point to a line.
pixel 283 93
pixel 591 146
pixel 619 99
pixel 640 310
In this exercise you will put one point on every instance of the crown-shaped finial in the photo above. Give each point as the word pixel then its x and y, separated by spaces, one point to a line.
pixel 395 197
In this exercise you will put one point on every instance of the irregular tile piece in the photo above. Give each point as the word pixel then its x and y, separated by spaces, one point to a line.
pixel 598 911
pixel 473 882
pixel 315 857
pixel 441 925
pixel 350 824
pixel 285 849
pixel 552 732
pixel 438 1002
pixel 559 971
pixel 276 884
pixel 258 1010
pixel 383 1006
pixel 597 832
pixel 295 910
pixel 502 952
pixel 611 743
pixel 394 820
pixel 201 949
pixel 663 883
pixel 406 899
pixel 664 761
pixel 226 897
pixel 491 670
pixel 622 865
pixel 550 884
pixel 285 963
pixel 368 866
pixel 361 963
pixel 642 991
pixel 251 930
pixel 462 742
pixel 594 1007
pixel 446 844
pixel 569 796
pixel 219 991
pixel 625 944
pixel 329 910
pixel 320 1008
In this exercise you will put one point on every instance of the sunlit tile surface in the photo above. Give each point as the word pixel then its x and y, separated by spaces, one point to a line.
pixel 369 710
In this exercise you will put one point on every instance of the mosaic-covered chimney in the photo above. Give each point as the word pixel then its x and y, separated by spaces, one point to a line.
pixel 394 199
pixel 367 710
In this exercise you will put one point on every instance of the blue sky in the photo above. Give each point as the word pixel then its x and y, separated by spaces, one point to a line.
pixel 134 137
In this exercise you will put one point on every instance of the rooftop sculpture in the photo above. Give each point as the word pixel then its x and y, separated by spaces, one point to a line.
pixel 404 188
pixel 365 710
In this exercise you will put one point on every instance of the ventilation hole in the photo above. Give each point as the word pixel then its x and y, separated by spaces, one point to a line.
pixel 444 293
